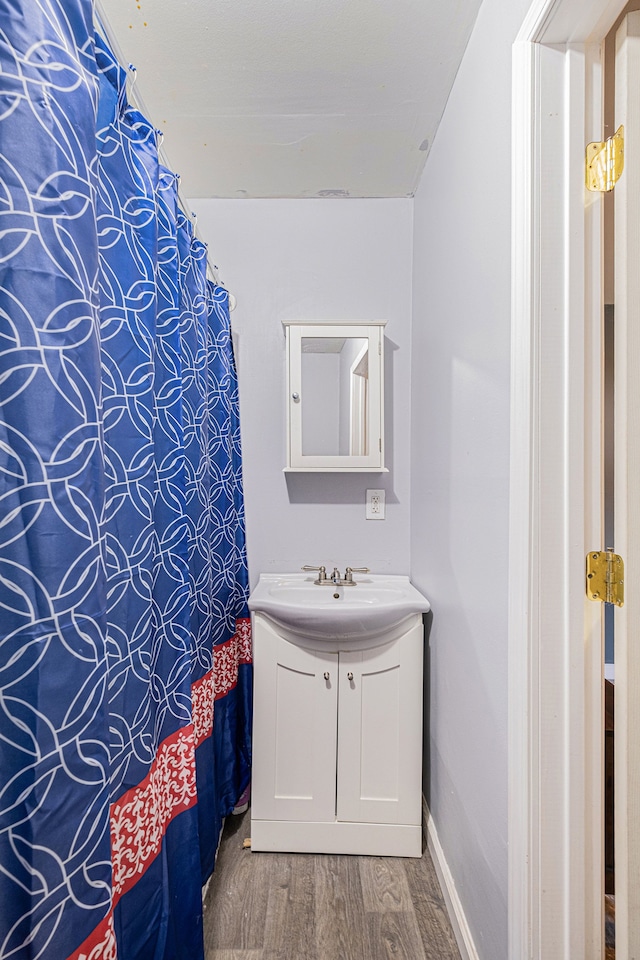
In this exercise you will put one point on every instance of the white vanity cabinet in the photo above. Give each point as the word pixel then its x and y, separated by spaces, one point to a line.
pixel 337 744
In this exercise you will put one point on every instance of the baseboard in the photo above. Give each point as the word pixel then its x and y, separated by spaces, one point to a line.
pixel 335 836
pixel 461 930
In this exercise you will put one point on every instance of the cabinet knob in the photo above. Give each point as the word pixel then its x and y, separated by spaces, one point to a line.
pixel 326 676
pixel 349 676
pixel 295 397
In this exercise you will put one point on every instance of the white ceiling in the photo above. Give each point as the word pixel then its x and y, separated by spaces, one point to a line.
pixel 294 98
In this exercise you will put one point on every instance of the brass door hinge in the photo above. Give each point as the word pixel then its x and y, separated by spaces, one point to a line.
pixel 605 577
pixel 604 162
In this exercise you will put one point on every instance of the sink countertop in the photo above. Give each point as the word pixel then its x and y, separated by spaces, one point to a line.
pixel 374 610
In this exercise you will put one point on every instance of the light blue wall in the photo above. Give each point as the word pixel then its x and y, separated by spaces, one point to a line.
pixel 315 260
pixel 460 466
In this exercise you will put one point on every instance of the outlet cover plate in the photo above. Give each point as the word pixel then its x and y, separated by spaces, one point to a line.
pixel 375 505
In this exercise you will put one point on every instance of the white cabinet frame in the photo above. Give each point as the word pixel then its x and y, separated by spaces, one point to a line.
pixel 296 459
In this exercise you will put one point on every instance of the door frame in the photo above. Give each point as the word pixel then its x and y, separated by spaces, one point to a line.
pixel 555 636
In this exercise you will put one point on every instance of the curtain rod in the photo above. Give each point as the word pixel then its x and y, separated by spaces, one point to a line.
pixel 102 22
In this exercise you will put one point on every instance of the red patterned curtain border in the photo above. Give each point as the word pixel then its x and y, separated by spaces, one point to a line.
pixel 139 819
pixel 101 945
pixel 222 677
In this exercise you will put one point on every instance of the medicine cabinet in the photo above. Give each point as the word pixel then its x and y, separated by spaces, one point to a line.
pixel 335 396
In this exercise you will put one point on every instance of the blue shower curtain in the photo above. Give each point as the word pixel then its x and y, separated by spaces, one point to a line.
pixel 125 644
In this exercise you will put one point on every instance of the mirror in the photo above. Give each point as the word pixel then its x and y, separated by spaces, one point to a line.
pixel 334 382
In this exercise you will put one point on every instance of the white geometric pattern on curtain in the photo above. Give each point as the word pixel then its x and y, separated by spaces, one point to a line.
pixel 125 647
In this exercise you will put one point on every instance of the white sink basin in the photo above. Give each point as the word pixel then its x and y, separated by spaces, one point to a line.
pixel 375 608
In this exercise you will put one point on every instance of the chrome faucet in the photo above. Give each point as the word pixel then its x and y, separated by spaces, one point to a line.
pixel 335 580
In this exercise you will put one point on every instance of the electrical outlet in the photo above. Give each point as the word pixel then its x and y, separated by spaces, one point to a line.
pixel 375 505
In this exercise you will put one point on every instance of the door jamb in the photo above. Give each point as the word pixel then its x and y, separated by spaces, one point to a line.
pixel 555 687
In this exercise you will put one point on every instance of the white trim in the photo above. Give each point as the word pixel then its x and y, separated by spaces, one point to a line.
pixel 555 729
pixel 459 924
pixel 297 459
pixel 336 836
pixel 330 323
pixel 522 684
pixel 593 638
pixel 569 21
pixel 627 490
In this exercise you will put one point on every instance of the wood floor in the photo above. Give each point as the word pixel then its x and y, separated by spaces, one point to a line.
pixel 279 906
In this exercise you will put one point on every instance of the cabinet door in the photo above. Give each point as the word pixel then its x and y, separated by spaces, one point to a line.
pixel 380 732
pixel 294 730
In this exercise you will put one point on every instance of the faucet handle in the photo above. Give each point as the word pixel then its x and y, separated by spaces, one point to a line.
pixel 322 571
pixel 351 570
